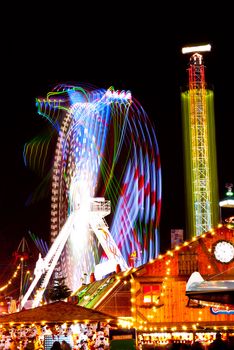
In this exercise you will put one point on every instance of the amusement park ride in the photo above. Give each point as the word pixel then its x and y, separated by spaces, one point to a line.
pixel 98 209
pixel 101 152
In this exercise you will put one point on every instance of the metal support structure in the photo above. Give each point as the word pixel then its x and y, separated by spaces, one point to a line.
pixel 200 148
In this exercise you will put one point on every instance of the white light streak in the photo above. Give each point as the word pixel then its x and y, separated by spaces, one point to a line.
pixel 200 48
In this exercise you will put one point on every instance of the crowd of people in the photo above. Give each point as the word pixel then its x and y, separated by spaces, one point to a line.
pixel 98 340
pixel 9 343
pixel 29 338
pixel 217 344
pixel 89 343
pixel 99 343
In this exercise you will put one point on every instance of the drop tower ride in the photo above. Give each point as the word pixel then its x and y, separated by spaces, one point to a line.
pixel 202 210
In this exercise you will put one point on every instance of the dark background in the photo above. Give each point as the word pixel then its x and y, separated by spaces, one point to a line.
pixel 134 47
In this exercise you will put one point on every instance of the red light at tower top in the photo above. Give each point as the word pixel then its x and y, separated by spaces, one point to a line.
pixel 197 69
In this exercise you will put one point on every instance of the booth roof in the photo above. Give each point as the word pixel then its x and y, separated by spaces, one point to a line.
pixel 58 312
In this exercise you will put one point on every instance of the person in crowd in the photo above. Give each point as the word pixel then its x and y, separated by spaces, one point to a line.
pixel 65 345
pixel 29 345
pixel 231 343
pixel 56 346
pixel 197 345
pixel 13 345
pixel 218 343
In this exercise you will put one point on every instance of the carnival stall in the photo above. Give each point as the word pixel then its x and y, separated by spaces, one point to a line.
pixel 79 326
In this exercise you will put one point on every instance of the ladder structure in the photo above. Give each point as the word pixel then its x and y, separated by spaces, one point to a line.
pixel 199 148
pixel 199 145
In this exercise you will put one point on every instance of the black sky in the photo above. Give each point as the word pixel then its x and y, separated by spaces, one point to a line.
pixel 136 49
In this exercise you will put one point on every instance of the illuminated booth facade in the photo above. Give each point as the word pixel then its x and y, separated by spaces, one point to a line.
pixel 152 298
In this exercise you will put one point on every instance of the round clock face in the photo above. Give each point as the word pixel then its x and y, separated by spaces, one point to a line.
pixel 224 251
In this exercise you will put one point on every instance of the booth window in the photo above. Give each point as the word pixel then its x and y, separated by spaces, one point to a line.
pixel 151 293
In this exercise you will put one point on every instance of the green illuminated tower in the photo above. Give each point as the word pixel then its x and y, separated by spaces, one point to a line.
pixel 202 207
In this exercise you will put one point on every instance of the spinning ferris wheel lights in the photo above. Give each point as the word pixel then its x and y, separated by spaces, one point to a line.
pixel 106 149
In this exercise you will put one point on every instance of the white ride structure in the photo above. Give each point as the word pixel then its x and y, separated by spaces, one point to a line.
pixel 98 209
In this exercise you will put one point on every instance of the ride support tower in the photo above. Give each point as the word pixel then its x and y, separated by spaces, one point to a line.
pixel 200 163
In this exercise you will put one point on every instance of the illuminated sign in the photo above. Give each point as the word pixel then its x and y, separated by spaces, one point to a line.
pixel 218 311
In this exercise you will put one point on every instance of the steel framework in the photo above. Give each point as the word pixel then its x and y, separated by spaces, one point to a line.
pixel 200 151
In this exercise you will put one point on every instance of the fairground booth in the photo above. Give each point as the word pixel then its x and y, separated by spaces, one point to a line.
pixel 161 301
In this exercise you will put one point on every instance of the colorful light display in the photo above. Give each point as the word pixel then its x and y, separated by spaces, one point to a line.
pixel 106 150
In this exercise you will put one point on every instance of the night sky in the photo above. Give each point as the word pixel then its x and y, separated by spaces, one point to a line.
pixel 136 49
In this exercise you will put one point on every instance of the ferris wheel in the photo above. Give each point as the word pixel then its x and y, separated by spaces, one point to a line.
pixel 106 183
